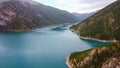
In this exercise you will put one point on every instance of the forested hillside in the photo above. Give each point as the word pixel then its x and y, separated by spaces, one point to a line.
pixel 104 25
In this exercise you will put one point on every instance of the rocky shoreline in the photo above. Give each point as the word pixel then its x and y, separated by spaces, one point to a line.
pixel 67 59
pixel 68 63
pixel 98 39
pixel 109 54
pixel 88 38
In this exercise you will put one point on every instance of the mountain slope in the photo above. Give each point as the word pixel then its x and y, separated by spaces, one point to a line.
pixel 51 14
pixel 104 25
pixel 22 15
pixel 83 16
pixel 102 57
pixel 14 16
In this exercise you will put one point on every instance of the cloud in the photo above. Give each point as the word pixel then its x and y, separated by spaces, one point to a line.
pixel 93 5
pixel 80 6
pixel 62 1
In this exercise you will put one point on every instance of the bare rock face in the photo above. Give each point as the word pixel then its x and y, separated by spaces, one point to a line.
pixel 113 62
pixel 6 15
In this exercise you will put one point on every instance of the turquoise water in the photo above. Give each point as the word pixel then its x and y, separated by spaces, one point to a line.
pixel 41 48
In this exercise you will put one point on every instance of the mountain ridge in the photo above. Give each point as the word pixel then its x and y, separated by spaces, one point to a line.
pixel 104 25
pixel 17 15
pixel 83 16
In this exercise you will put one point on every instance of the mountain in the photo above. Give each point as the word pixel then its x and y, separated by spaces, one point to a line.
pixel 52 14
pixel 83 16
pixel 102 57
pixel 14 16
pixel 104 25
pixel 22 15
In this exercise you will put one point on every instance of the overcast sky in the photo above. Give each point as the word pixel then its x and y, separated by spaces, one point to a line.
pixel 80 6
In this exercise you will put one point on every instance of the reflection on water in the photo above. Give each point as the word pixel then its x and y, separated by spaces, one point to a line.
pixel 95 43
pixel 41 48
pixel 59 28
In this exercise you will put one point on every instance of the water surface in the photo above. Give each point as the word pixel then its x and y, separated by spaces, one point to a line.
pixel 41 48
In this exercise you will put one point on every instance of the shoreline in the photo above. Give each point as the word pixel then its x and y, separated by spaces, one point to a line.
pixel 14 30
pixel 88 38
pixel 67 62
pixel 35 28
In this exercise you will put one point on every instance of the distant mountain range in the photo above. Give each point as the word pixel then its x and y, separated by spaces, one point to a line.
pixel 22 15
pixel 83 16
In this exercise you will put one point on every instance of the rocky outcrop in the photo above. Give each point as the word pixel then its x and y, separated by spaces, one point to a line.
pixel 102 57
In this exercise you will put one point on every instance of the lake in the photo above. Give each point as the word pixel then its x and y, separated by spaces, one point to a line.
pixel 41 48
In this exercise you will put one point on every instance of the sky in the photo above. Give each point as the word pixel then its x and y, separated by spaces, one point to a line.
pixel 79 6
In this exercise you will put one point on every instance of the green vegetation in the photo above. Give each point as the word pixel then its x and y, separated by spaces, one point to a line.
pixel 53 15
pixel 104 25
pixel 97 57
pixel 17 24
pixel 79 55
